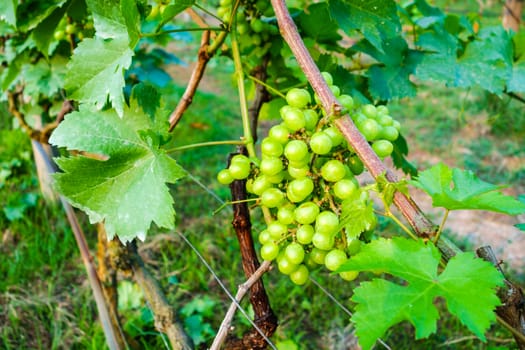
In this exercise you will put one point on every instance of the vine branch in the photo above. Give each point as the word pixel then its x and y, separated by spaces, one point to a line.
pixel 243 289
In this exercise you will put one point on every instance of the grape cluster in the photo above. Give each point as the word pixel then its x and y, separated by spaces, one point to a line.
pixel 253 24
pixel 67 28
pixel 306 173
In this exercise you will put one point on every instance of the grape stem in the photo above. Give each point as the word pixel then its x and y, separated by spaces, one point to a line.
pixel 248 138
pixel 268 87
pixel 445 216
pixel 204 144
pixel 225 204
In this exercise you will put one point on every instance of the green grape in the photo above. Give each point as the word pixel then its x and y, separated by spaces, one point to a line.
pixel 327 222
pixel 256 40
pixel 265 237
pixel 311 118
pixel 300 276
pixel 369 110
pixel 71 29
pixel 383 148
pixel 349 275
pixel 396 125
pixel 240 158
pixel 239 170
pixel 327 78
pixel 356 165
pixel 320 143
pixel 298 173
pixel 293 118
pixel 272 198
pixel 225 3
pixel 301 188
pixel 296 150
pixel 261 184
pixel 277 178
pixel 298 98
pixel 382 110
pixel 285 214
pixel 271 166
pixel 333 170
pixel 294 252
pixel 279 133
pixel 323 241
pixel 385 120
pixel 224 177
pixel 306 213
pixel 389 133
pixel 344 188
pixel 318 255
pixel 285 266
pixel 269 251
pixel 223 11
pixel 243 28
pixel 335 90
pixel 271 147
pixel 304 234
pixel 334 259
pixel 370 129
pixel 257 25
pixel 277 229
pixel 59 35
pixel 346 101
pixel 335 135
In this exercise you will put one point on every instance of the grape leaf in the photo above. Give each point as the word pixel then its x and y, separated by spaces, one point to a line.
pixel 39 11
pixel 467 284
pixel 131 16
pixel 486 61
pixel 44 32
pixel 96 72
pixel 357 215
pixel 126 186
pixel 517 81
pixel 375 19
pixel 173 10
pixel 108 20
pixel 44 77
pixel 8 11
pixel 456 189
pixel 317 23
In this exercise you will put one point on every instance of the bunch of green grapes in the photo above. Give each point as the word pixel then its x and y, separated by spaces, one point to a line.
pixel 67 28
pixel 253 24
pixel 306 172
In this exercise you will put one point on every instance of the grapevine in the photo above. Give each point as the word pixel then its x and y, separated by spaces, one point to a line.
pixel 306 178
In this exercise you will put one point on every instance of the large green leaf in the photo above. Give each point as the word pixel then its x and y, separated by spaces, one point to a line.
pixel 377 20
pixel 455 189
pixel 108 19
pixel 123 183
pixel 317 23
pixel 486 61
pixel 467 284
pixel 131 16
pixel 8 11
pixel 96 72
pixel 174 9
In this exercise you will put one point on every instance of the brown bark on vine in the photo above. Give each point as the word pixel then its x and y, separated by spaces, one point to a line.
pixel 512 309
pixel 512 11
pixel 265 318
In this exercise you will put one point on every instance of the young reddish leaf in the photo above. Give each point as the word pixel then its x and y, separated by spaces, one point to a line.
pixel 456 189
